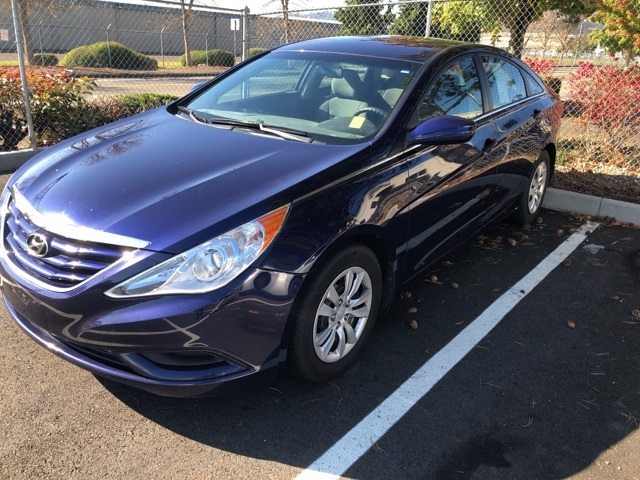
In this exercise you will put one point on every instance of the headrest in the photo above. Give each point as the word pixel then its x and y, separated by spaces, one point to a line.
pixel 392 78
pixel 349 86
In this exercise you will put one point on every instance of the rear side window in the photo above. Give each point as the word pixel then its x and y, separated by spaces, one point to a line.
pixel 506 84
pixel 456 92
pixel 532 84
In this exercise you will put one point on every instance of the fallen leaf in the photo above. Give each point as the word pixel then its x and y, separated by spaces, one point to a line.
pixel 526 226
pixel 512 242
pixel 636 313
pixel 455 285
pixel 539 220
pixel 414 325
pixel 405 295
pixel 433 279
pixel 571 324
pixel 412 310
pixel 567 262
pixel 560 232
pixel 447 263
pixel 496 290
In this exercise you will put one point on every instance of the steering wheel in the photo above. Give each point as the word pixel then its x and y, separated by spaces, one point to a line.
pixel 375 110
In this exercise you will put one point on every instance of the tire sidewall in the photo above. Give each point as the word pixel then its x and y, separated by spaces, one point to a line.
pixel 523 215
pixel 302 359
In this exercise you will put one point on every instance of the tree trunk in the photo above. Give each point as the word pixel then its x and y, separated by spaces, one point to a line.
pixel 524 17
pixel 186 12
pixel 285 19
pixel 23 12
pixel 629 57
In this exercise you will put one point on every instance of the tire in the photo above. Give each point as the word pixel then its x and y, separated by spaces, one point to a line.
pixel 332 322
pixel 534 192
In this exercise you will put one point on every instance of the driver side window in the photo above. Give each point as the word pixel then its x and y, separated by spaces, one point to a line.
pixel 456 92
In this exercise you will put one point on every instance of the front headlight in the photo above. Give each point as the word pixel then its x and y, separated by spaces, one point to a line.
pixel 208 266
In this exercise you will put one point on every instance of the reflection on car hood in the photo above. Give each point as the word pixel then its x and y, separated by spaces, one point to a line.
pixel 165 180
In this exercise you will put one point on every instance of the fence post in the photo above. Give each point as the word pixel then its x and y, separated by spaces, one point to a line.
pixel 108 46
pixel 427 30
pixel 162 47
pixel 245 33
pixel 17 27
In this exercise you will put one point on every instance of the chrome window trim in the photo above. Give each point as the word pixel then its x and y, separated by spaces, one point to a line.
pixel 508 106
pixel 71 231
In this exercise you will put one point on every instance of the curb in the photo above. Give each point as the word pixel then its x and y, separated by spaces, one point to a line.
pixel 564 201
pixel 555 199
pixel 11 161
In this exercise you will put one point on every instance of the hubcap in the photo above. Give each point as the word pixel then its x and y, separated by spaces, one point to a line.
pixel 537 187
pixel 342 315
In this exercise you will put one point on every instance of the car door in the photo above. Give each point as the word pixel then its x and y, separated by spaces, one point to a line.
pixel 453 186
pixel 515 110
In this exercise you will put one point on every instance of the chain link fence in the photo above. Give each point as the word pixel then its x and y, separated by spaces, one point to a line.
pixel 116 58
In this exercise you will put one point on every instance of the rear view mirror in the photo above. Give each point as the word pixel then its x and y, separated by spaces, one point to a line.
pixel 442 130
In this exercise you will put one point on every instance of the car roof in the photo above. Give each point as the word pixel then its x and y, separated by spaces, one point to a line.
pixel 414 49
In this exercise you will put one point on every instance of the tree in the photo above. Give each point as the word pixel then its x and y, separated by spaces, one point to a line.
pixel 516 16
pixel 25 8
pixel 185 8
pixel 621 33
pixel 412 20
pixel 369 20
pixel 456 20
pixel 555 31
pixel 284 4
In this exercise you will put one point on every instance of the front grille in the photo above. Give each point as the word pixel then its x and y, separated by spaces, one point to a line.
pixel 67 263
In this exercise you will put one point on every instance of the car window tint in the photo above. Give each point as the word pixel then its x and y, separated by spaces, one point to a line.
pixel 282 76
pixel 533 85
pixel 456 92
pixel 506 84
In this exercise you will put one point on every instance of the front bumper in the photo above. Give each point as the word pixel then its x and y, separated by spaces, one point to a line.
pixel 182 345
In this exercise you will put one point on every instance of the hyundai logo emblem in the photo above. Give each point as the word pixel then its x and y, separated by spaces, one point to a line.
pixel 37 245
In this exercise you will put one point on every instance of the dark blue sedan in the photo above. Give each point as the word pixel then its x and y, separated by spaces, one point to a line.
pixel 265 219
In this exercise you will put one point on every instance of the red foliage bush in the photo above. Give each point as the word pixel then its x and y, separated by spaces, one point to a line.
pixel 609 98
pixel 55 96
pixel 544 67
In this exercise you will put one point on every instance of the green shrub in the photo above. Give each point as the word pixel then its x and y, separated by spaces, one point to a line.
pixel 103 110
pixel 215 57
pixel 45 59
pixel 111 55
pixel 131 104
pixel 60 106
pixel 57 99
pixel 255 51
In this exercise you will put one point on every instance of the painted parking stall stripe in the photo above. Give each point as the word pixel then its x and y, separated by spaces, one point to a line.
pixel 335 461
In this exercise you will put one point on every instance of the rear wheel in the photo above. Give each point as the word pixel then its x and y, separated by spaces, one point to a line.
pixel 533 195
pixel 335 315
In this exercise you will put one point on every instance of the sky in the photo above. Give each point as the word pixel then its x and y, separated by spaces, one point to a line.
pixel 266 6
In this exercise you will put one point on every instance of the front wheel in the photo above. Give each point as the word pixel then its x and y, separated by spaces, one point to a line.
pixel 335 315
pixel 535 190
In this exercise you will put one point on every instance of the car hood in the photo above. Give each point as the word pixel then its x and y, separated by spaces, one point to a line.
pixel 170 181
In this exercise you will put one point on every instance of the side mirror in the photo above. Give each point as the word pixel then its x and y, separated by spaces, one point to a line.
pixel 196 86
pixel 442 130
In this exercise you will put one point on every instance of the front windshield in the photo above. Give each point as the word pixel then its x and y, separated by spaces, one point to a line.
pixel 331 98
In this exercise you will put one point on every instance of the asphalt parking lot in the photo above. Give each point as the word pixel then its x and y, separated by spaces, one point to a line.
pixel 553 391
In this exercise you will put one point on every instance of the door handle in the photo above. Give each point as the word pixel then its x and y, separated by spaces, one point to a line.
pixel 488 143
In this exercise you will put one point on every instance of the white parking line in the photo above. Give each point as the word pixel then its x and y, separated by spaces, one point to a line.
pixel 335 461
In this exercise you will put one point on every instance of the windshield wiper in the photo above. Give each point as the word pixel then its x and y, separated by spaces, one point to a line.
pixel 193 114
pixel 286 133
